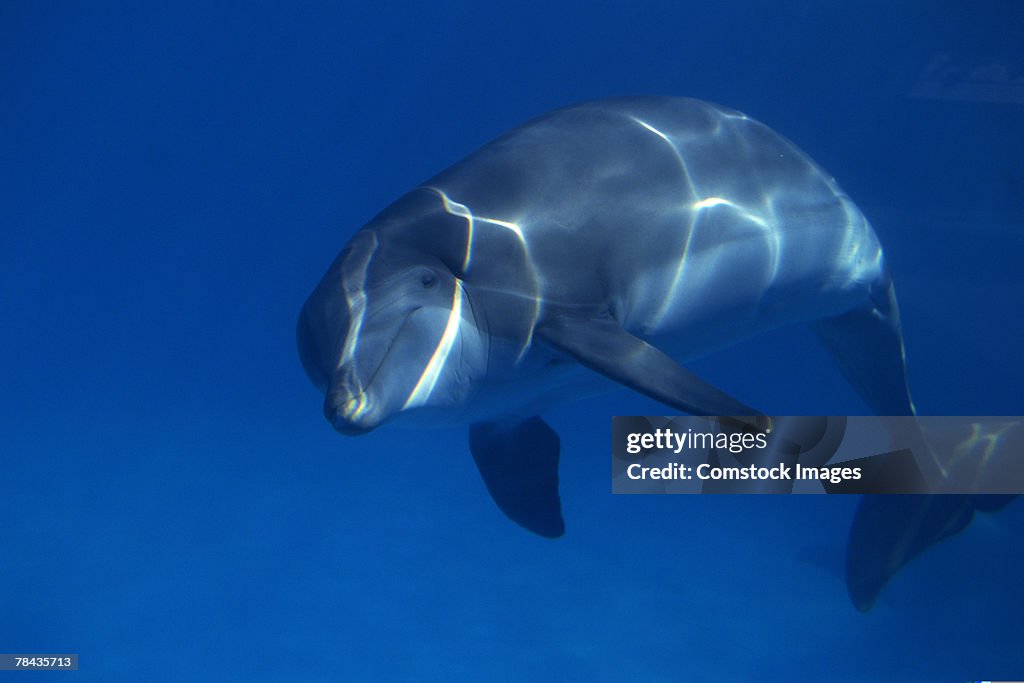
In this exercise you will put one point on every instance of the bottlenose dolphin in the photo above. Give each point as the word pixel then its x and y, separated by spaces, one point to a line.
pixel 621 237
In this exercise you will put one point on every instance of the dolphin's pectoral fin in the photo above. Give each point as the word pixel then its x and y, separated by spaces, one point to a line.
pixel 890 531
pixel 519 463
pixel 603 346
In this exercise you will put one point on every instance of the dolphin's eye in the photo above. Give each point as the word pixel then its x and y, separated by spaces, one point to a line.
pixel 428 280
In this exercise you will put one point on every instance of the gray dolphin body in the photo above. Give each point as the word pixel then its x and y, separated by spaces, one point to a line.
pixel 623 237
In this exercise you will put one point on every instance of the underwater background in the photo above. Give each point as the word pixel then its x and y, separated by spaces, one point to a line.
pixel 175 179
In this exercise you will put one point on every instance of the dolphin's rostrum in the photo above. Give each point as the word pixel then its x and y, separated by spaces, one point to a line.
pixel 618 238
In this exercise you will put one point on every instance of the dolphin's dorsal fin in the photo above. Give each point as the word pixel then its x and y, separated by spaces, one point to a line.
pixel 603 346
pixel 518 460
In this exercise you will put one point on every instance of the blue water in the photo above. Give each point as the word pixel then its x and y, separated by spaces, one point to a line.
pixel 173 182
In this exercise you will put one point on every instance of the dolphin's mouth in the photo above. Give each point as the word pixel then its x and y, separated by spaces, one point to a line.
pixel 353 413
pixel 350 416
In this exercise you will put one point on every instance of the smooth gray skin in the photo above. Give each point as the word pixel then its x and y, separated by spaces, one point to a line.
pixel 623 236
pixel 687 224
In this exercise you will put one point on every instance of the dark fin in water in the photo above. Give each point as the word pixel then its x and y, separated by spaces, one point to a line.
pixel 867 345
pixel 603 346
pixel 519 463
pixel 890 531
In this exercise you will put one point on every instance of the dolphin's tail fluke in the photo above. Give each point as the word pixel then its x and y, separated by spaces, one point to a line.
pixel 890 531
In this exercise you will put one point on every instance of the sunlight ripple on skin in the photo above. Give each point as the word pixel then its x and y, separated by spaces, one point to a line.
pixel 680 268
pixel 463 211
pixel 428 379
pixel 355 298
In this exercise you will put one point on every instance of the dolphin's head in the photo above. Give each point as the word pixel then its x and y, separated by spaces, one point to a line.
pixel 388 329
